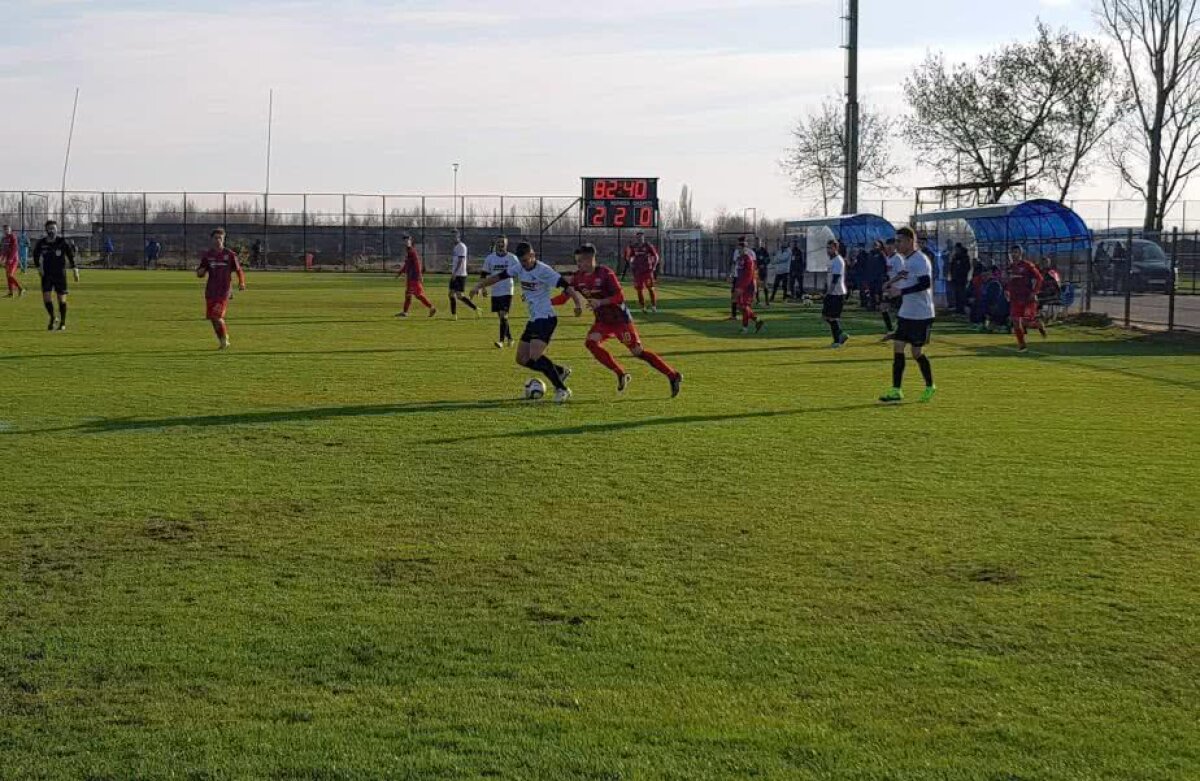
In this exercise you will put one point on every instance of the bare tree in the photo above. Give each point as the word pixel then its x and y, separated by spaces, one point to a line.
pixel 816 161
pixel 1088 114
pixel 1158 148
pixel 1022 113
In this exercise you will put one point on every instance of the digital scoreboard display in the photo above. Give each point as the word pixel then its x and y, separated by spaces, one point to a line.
pixel 612 202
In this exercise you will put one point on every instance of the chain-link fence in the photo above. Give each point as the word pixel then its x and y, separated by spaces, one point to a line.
pixel 298 231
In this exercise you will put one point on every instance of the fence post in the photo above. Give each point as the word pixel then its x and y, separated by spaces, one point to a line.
pixel 383 222
pixel 185 248
pixel 1128 274
pixel 1171 279
pixel 424 257
pixel 343 231
pixel 501 215
pixel 541 222
pixel 145 260
pixel 1087 275
pixel 304 227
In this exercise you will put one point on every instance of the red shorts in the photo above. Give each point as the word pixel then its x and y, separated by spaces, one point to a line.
pixel 215 308
pixel 415 288
pixel 626 333
pixel 1022 310
pixel 643 281
pixel 745 298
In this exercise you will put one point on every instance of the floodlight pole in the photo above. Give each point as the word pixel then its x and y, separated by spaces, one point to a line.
pixel 850 201
pixel 62 201
pixel 267 186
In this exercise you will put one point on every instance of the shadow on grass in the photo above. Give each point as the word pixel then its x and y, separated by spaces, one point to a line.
pixel 627 425
pixel 130 423
pixel 235 354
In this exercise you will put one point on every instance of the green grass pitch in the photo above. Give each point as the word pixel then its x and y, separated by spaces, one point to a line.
pixel 345 550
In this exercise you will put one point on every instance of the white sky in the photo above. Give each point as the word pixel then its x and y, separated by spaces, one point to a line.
pixel 528 96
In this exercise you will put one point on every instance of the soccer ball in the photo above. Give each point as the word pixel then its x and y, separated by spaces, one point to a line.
pixel 535 389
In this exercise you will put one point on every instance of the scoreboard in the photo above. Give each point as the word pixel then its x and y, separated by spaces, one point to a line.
pixel 612 202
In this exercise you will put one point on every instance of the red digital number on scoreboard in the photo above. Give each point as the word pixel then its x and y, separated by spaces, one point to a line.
pixel 610 202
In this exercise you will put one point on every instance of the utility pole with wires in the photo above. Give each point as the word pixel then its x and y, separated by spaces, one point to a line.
pixel 267 187
pixel 850 200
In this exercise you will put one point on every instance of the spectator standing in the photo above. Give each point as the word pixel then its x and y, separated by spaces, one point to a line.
pixel 10 256
pixel 783 269
pixel 153 250
pixel 107 248
pixel 763 265
pixel 960 277
pixel 23 250
pixel 798 268
pixel 256 256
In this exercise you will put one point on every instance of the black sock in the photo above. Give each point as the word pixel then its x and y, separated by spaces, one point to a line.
pixel 49 309
pixel 62 312
pixel 470 303
pixel 887 321
pixel 926 370
pixel 453 305
pixel 507 329
pixel 547 367
pixel 733 309
pixel 897 369
pixel 502 324
pixel 836 327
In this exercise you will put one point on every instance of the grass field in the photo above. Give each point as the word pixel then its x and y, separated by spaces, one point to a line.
pixel 344 550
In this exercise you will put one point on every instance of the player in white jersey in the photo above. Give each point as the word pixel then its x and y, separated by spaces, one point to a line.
pixel 458 278
pixel 538 283
pixel 890 304
pixel 502 292
pixel 835 294
pixel 915 287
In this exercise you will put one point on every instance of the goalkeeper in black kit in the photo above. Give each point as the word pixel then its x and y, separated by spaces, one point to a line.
pixel 51 256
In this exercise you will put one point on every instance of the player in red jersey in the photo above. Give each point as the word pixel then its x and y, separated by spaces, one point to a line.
pixel 600 286
pixel 1024 284
pixel 745 282
pixel 219 265
pixel 642 257
pixel 413 271
pixel 10 256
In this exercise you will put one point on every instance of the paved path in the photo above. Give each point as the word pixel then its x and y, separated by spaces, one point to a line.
pixel 1151 309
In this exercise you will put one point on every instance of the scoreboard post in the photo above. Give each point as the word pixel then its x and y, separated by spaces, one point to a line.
pixel 620 202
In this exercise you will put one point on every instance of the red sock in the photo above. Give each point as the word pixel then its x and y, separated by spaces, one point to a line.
pixel 222 329
pixel 657 362
pixel 421 297
pixel 747 316
pixel 604 357
pixel 1019 331
pixel 641 298
pixel 653 297
pixel 407 302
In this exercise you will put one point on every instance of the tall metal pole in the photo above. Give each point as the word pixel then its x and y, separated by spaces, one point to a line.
pixel 62 203
pixel 267 187
pixel 850 202
pixel 456 225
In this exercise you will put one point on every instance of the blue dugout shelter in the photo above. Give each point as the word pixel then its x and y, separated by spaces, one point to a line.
pixel 1042 227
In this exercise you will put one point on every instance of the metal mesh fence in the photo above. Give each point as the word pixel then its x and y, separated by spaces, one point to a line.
pixel 294 231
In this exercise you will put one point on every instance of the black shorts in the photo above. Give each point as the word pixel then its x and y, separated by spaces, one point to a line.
pixel 542 330
pixel 832 306
pixel 501 304
pixel 458 284
pixel 914 332
pixel 55 282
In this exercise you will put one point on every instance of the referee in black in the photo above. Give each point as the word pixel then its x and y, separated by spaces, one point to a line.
pixel 51 255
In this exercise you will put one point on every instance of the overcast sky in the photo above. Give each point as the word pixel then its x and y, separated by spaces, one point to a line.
pixel 528 96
